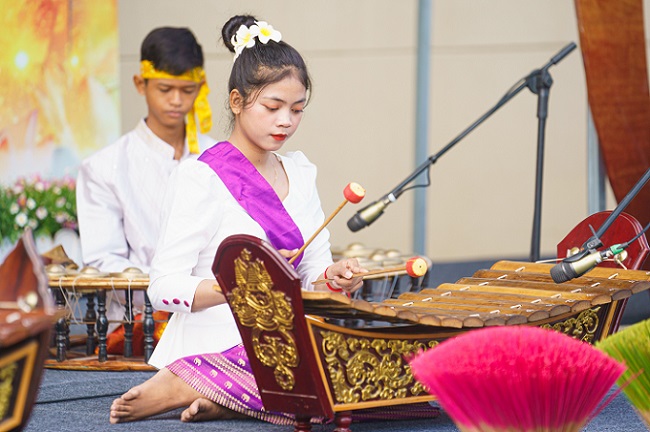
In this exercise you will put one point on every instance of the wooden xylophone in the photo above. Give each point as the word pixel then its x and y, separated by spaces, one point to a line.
pixel 509 293
pixel 307 364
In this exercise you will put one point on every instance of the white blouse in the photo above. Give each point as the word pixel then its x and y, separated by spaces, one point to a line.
pixel 198 214
pixel 120 192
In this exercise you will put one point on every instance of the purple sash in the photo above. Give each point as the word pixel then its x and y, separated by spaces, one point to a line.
pixel 255 195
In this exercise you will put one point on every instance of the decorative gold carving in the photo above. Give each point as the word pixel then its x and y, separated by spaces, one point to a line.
pixel 270 316
pixel 7 374
pixel 582 327
pixel 364 369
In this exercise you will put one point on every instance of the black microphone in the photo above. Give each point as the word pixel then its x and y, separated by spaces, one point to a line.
pixel 563 53
pixel 577 265
pixel 580 263
pixel 370 213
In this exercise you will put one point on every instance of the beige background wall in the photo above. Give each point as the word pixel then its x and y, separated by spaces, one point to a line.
pixel 360 125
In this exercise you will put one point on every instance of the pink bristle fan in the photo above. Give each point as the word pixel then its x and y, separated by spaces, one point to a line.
pixel 517 378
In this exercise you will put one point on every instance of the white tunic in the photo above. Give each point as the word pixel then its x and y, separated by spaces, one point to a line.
pixel 120 191
pixel 199 213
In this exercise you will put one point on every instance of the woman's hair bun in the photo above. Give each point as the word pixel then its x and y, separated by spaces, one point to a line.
pixel 230 28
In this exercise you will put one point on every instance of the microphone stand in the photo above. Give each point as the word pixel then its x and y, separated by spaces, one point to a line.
pixel 539 81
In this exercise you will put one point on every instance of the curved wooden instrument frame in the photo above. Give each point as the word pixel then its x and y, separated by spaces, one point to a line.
pixel 624 228
pixel 24 331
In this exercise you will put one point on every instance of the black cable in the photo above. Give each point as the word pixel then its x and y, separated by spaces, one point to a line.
pixel 627 243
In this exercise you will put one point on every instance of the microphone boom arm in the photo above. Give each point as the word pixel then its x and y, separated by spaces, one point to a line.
pixel 376 208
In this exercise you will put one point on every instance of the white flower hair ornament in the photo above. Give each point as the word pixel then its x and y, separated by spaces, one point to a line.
pixel 245 36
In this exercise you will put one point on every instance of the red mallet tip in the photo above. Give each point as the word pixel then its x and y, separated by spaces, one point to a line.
pixel 354 193
pixel 416 267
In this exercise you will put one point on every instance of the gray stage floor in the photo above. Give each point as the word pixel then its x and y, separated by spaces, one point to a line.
pixel 79 401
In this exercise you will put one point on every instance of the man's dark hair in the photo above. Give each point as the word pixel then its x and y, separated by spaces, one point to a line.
pixel 172 50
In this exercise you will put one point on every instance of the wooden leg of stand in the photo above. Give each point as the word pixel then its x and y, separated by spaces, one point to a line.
pixel 61 328
pixel 343 420
pixel 90 318
pixel 148 328
pixel 102 325
pixel 303 424
pixel 128 325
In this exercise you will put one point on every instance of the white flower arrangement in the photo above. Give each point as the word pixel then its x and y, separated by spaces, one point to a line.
pixel 46 206
pixel 245 36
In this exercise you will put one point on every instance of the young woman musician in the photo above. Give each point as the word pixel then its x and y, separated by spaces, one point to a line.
pixel 238 186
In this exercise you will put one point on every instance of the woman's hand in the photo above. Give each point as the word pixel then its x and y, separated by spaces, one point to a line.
pixel 288 253
pixel 207 294
pixel 342 274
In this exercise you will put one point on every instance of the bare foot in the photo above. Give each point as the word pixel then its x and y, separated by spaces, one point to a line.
pixel 204 409
pixel 161 393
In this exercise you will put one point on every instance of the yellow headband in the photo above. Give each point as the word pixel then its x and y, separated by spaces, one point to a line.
pixel 201 107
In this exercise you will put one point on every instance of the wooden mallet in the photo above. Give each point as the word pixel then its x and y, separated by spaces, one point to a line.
pixel 353 193
pixel 414 267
